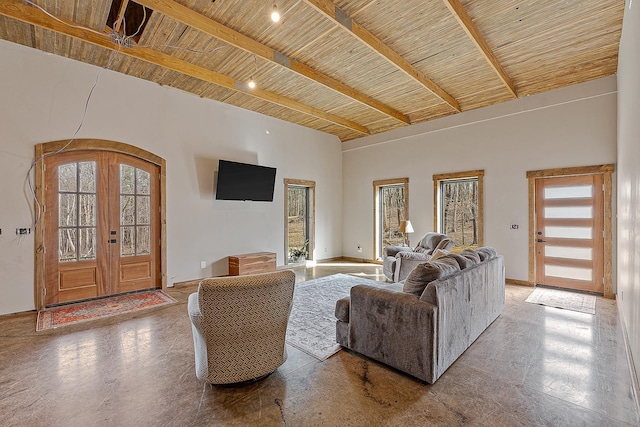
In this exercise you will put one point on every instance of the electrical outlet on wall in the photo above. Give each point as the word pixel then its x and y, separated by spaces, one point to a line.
pixel 359 248
pixel 203 264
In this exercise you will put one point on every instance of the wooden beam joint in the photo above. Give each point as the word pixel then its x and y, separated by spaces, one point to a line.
pixel 458 11
pixel 343 19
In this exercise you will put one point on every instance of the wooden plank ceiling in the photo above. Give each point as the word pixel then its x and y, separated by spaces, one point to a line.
pixel 346 67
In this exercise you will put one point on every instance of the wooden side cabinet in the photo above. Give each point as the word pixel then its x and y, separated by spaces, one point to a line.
pixel 253 263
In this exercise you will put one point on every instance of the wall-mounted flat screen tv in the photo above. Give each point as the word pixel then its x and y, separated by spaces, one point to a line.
pixel 242 181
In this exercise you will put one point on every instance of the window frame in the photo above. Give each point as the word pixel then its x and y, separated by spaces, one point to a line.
pixel 376 203
pixel 455 176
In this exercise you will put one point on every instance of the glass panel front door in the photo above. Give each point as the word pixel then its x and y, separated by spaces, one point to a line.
pixel 569 232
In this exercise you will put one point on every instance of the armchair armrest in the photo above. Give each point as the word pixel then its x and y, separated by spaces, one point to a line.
pixel 395 328
pixel 393 250
pixel 414 256
pixel 193 307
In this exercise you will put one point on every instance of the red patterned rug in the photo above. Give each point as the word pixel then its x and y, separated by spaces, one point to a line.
pixel 99 309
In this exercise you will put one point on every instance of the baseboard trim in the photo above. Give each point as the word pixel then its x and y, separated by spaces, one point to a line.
pixel 360 260
pixel 519 282
pixel 333 259
pixel 635 385
pixel 188 282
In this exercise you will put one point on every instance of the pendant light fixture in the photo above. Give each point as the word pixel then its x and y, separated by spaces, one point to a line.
pixel 252 83
pixel 275 15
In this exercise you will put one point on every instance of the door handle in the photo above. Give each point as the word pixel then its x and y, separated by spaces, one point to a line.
pixel 541 241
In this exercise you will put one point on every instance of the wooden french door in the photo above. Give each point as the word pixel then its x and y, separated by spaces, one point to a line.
pixel 101 225
pixel 570 232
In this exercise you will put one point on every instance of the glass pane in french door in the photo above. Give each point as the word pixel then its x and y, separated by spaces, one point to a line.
pixel 135 211
pixel 77 211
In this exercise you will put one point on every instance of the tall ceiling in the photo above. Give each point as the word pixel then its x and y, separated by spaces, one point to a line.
pixel 347 67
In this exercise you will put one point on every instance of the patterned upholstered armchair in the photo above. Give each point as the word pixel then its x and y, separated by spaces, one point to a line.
pixel 239 325
pixel 400 260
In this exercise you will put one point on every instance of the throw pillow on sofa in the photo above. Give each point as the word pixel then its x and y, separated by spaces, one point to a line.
pixel 438 253
pixel 427 272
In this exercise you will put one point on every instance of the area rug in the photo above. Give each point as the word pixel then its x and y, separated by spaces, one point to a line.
pixel 573 301
pixel 99 309
pixel 312 323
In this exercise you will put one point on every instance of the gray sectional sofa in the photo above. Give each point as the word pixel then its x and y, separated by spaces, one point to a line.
pixel 423 325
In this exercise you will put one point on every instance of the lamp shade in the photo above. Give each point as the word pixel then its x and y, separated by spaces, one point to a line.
pixel 405 227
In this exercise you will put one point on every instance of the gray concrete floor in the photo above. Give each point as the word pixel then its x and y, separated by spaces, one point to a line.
pixel 533 366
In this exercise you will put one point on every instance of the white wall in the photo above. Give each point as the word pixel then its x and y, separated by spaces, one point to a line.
pixel 43 98
pixel 574 126
pixel 629 177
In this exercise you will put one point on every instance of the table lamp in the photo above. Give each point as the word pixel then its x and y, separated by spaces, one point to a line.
pixel 406 228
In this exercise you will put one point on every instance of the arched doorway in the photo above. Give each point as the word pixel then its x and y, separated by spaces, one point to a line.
pixel 101 221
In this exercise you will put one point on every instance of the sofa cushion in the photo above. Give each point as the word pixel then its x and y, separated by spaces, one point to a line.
pixel 463 262
pixel 427 272
pixel 486 253
pixel 471 255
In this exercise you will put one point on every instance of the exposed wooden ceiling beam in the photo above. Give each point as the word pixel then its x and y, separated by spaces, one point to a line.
pixel 33 16
pixel 202 23
pixel 343 20
pixel 470 28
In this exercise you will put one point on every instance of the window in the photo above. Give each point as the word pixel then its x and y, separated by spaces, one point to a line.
pixel 391 207
pixel 299 220
pixel 458 207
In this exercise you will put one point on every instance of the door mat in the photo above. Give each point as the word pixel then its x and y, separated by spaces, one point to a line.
pixel 573 301
pixel 100 309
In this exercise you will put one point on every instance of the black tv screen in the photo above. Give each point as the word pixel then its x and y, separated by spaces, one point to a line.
pixel 242 181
